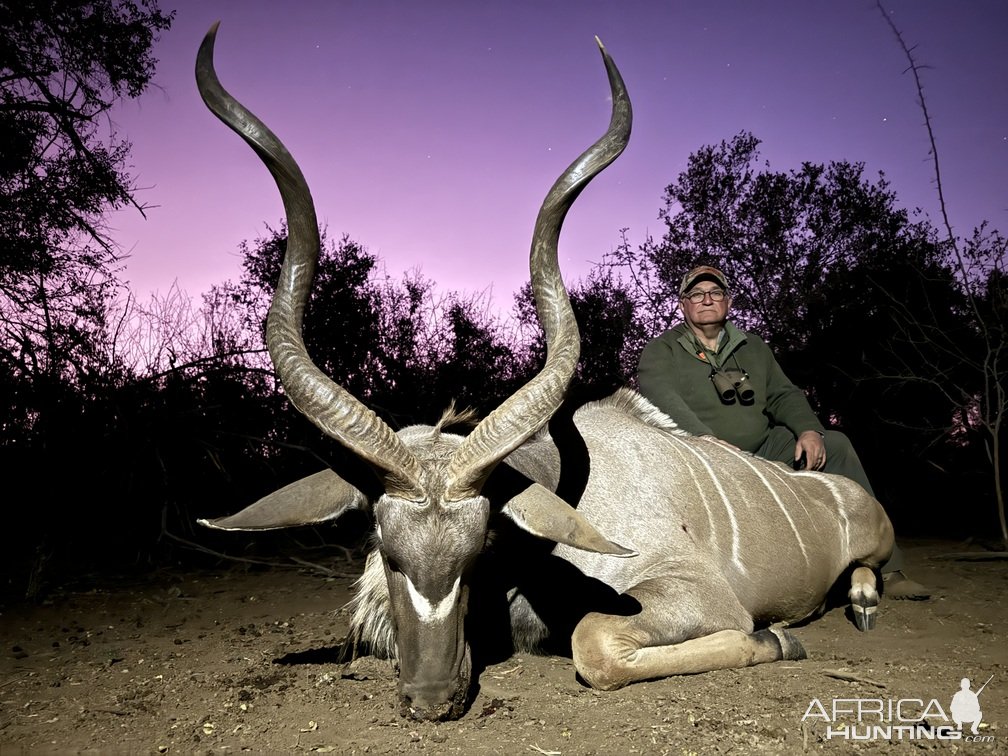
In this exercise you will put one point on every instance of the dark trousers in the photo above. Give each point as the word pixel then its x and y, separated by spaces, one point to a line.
pixel 841 459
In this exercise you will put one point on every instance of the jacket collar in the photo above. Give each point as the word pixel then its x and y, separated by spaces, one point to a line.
pixel 729 340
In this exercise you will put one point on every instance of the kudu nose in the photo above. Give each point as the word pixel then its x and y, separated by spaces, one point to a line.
pixel 431 700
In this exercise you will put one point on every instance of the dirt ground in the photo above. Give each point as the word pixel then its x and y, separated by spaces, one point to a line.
pixel 233 660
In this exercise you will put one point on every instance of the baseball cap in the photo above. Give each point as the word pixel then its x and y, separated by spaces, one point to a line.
pixel 702 273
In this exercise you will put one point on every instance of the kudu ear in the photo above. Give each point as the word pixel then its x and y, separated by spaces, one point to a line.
pixel 318 498
pixel 542 513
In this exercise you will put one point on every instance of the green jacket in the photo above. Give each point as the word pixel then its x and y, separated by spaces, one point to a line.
pixel 674 375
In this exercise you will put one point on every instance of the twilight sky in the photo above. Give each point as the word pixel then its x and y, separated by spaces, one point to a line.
pixel 431 131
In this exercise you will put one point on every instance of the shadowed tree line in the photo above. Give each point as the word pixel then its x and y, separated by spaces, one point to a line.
pixel 125 421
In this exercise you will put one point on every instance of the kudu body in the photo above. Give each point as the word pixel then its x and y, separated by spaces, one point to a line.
pixel 702 544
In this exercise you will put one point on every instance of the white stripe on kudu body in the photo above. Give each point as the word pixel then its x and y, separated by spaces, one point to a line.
pixel 688 453
pixel 780 503
pixel 725 500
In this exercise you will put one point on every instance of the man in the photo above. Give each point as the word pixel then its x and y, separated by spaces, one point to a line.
pixel 715 380
pixel 965 706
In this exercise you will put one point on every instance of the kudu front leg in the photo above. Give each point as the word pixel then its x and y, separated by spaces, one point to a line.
pixel 610 660
pixel 864 597
pixel 681 637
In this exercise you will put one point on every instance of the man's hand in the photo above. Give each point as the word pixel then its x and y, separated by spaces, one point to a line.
pixel 810 443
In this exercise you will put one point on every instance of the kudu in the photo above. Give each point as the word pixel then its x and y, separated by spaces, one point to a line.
pixel 703 544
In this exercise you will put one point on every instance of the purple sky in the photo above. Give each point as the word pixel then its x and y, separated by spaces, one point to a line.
pixel 430 131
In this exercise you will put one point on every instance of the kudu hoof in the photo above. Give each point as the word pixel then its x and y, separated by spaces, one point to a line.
pixel 864 606
pixel 864 597
pixel 789 647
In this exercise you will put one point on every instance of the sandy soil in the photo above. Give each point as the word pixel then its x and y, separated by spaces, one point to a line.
pixel 233 660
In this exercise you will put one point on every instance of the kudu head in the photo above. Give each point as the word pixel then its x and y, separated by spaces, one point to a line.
pixel 431 514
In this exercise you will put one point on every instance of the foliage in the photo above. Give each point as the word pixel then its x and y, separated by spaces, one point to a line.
pixel 772 233
pixel 63 66
pixel 397 345
pixel 610 330
pixel 611 337
pixel 341 331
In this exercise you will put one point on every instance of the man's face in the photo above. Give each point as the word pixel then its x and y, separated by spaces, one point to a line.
pixel 705 312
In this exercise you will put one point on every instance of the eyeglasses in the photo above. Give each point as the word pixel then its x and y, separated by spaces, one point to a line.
pixel 696 297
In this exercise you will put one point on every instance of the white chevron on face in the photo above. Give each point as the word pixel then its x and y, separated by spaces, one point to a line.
pixel 427 611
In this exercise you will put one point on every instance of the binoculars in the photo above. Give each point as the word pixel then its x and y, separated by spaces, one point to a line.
pixel 731 384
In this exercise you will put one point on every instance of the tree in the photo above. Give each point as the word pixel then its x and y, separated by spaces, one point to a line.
pixel 475 365
pixel 611 337
pixel 396 345
pixel 63 66
pixel 980 270
pixel 609 326
pixel 341 325
pixel 772 233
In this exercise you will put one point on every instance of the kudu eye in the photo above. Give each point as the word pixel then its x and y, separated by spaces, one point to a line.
pixel 391 562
